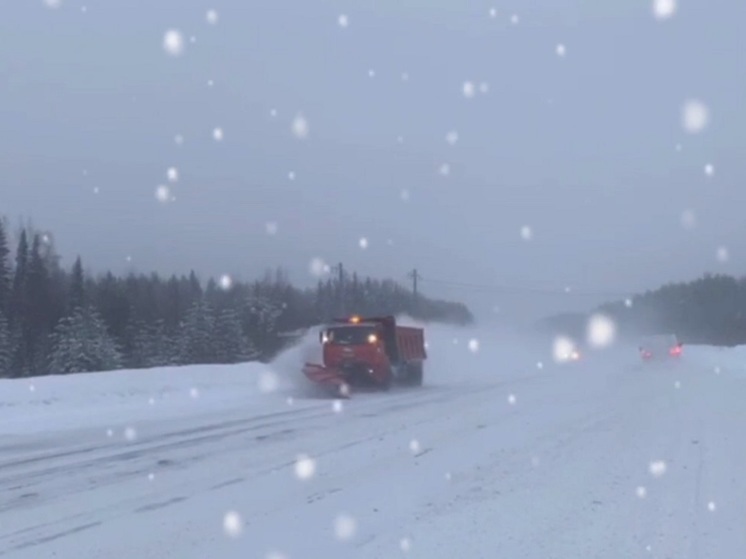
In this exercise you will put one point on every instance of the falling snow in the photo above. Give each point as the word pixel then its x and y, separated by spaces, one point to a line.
pixel 317 267
pixel 445 169
pixel 212 17
pixel 172 174
pixel 179 139
pixel 225 282
pixel 474 345
pixel 711 506
pixel 53 3
pixel 173 42
pixel 163 193
pixel 343 20
pixel 484 87
pixel 194 393
pixel 511 399
pixel 468 89
pixel 405 195
pixel 628 302
pixel 562 349
pixel 657 468
pixel 270 228
pixel 695 116
pixel 305 467
pixel 709 169
pixel 363 243
pixel 414 446
pixel 641 492
pixel 722 254
pixel 561 50
pixel 151 476
pixel 217 134
pixel 601 331
pixel 514 19
pixel 300 127
pixel 130 434
pixel 337 406
pixel 664 9
pixel 344 527
pixel 526 233
pixel 291 175
pixel 493 12
pixel 232 524
pixel 109 433
pixel 268 382
pixel 688 219
pixel 371 73
pixel 452 137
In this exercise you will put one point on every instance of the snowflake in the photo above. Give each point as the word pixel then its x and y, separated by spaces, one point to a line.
pixel 290 401
pixel 677 384
pixel 172 174
pixel 268 382
pixel 217 134
pixel 212 17
pixel 400 139
pixel 601 331
pixel 561 50
pixel 305 467
pixel 179 139
pixel 404 77
pixel 563 348
pixel 275 555
pixel 526 233
pixel 232 524
pixel 343 20
pixel 512 399
pixel 344 390
pixel 130 434
pixel 664 9
pixel 173 42
pixel 641 492
pixel 225 282
pixel 109 433
pixel 405 195
pixel 371 73
pixel 414 446
pixel 337 406
pixel 628 302
pixel 535 461
pixel 151 476
pixel 657 468
pixel 84 9
pixel 688 219
pixel 514 19
pixel 344 527
pixel 151 401
pixel 722 254
pixel 317 267
pixel 162 193
pixel 493 12
pixel 128 259
pixel 300 127
pixel 711 506
pixel 291 175
pixel 709 169
pixel 468 89
pixel 53 3
pixel 405 544
pixel 363 243
pixel 210 83
pixel 678 147
pixel 484 87
pixel 473 345
pixel 194 393
pixel 540 365
pixel 273 113
pixel 452 137
pixel 271 228
pixel 695 116
pixel 445 169
pixel 448 476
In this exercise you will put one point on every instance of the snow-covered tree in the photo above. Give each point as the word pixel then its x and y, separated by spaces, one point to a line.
pixel 81 343
pixel 232 345
pixel 259 318
pixel 196 336
pixel 6 347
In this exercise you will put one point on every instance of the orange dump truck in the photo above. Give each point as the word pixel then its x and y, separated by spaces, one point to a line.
pixel 368 352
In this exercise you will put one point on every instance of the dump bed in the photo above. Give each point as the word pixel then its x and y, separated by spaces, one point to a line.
pixel 411 343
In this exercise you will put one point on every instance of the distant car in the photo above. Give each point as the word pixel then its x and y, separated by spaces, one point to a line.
pixel 660 347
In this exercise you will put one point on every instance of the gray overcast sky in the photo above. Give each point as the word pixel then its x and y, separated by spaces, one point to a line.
pixel 581 148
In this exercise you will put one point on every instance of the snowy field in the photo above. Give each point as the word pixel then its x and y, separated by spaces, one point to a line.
pixel 503 453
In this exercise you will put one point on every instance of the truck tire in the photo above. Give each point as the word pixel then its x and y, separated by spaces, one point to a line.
pixel 415 374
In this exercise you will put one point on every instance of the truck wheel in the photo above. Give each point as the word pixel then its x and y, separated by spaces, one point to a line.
pixel 415 374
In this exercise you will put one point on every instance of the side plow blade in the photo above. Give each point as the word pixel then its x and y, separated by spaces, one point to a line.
pixel 328 379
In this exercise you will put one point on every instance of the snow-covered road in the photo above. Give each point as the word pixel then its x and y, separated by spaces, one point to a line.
pixel 594 459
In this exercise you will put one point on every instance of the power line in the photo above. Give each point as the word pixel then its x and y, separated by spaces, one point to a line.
pixel 524 289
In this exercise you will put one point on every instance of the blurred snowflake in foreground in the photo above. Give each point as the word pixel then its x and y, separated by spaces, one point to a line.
pixel 561 50
pixel 173 174
pixel 273 113
pixel 540 365
pixel 414 446
pixel 232 524
pixel 275 555
pixel 709 169
pixel 711 506
pixel 404 77
pixel 305 467
pixel 217 134
pixel 109 433
pixel 194 393
pixel 448 476
pixel 514 19
pixel 163 193
pixel 404 195
pixel 300 127
pixel 563 349
pixel 535 461
pixel 512 399
pixel 53 3
pixel 657 468
pixel 688 219
pixel 151 476
pixel 484 87
pixel 664 9
pixel 405 544
pixel 641 492
pixel 363 243
pixel 695 116
pixel 343 20
pixel 291 175
pixel 601 331
pixel 526 233
pixel 337 406
pixel 628 302
pixel 151 401
pixel 268 382
pixel 677 384
pixel 290 401
pixel 179 139
pixel 173 42
pixel 225 282
pixel 722 254
pixel 452 137
pixel 493 12
pixel 271 228
pixel 473 345
pixel 318 267
pixel 130 434
pixel 445 169
pixel 212 17
pixel 371 73
pixel 344 527
pixel 468 89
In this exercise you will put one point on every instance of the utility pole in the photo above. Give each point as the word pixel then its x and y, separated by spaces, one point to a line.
pixel 415 275
pixel 339 268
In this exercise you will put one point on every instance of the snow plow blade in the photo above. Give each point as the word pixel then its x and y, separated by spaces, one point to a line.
pixel 327 378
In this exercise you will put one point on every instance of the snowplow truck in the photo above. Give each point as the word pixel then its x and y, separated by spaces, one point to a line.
pixel 371 352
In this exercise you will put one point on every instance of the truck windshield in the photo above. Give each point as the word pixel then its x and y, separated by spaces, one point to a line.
pixel 350 335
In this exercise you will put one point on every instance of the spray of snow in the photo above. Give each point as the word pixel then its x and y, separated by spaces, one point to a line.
pixel 232 524
pixel 173 42
pixel 695 116
pixel 305 467
pixel 601 331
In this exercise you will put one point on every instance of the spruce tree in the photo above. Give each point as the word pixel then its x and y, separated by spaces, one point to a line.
pixel 6 347
pixel 5 271
pixel 196 335
pixel 81 343
pixel 231 344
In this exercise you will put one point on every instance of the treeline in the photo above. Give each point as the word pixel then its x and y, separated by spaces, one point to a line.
pixel 54 320
pixel 710 310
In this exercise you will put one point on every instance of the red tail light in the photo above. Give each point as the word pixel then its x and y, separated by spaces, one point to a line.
pixel 676 351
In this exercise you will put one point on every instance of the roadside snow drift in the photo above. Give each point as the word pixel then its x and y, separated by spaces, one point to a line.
pixel 503 453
